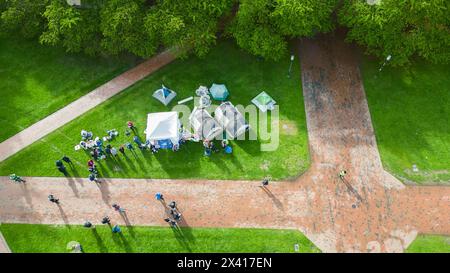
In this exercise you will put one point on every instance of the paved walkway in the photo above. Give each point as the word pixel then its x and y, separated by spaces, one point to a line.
pixel 81 105
pixel 4 248
pixel 370 211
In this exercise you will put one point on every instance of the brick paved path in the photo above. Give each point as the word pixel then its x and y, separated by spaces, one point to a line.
pixel 370 211
pixel 81 105
pixel 4 248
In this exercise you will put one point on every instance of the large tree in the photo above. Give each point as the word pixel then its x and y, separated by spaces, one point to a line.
pixel 76 29
pixel 22 16
pixel 401 28
pixel 188 24
pixel 262 27
pixel 122 25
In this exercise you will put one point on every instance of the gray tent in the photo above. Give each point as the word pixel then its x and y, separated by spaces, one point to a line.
pixel 231 120
pixel 164 95
pixel 204 125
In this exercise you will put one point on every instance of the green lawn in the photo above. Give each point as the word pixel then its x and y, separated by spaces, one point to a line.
pixel 410 110
pixel 54 238
pixel 244 75
pixel 430 244
pixel 36 80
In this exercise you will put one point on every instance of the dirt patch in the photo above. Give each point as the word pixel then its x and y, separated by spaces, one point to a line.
pixel 288 128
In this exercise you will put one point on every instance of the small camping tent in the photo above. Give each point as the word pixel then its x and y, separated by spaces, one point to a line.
pixel 231 120
pixel 204 125
pixel 163 128
pixel 219 92
pixel 264 102
pixel 164 95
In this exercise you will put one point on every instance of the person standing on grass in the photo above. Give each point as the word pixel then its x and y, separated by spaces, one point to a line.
pixel 122 149
pixel 114 151
pixel 116 229
pixel 342 174
pixel 52 199
pixel 265 182
pixel 131 126
pixel 106 220
pixel 88 224
pixel 90 163
pixel 93 178
pixel 108 149
pixel 129 146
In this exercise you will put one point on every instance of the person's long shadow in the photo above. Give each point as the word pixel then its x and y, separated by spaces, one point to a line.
pixel 99 241
pixel 27 194
pixel 125 242
pixel 180 238
pixel 185 229
pixel 73 186
pixel 64 216
pixel 128 224
pixel 353 190
pixel 275 200
pixel 104 189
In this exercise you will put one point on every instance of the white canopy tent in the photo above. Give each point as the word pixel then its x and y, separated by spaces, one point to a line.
pixel 204 125
pixel 163 128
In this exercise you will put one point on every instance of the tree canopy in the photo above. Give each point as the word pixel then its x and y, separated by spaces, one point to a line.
pixel 401 28
pixel 263 26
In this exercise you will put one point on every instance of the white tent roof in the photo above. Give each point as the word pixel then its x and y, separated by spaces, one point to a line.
pixel 163 125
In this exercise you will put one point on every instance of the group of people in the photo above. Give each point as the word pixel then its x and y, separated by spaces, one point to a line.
pixel 174 215
pixel 60 165
pixel 210 147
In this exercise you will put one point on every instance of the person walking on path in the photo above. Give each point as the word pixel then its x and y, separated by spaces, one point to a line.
pixel 159 196
pixel 106 220
pixel 14 177
pixel 342 174
pixel 93 178
pixel 88 224
pixel 118 208
pixel 173 205
pixel 52 199
pixel 265 182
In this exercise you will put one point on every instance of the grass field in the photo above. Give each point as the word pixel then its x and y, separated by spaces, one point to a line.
pixel 53 238
pixel 430 244
pixel 410 110
pixel 36 80
pixel 244 75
